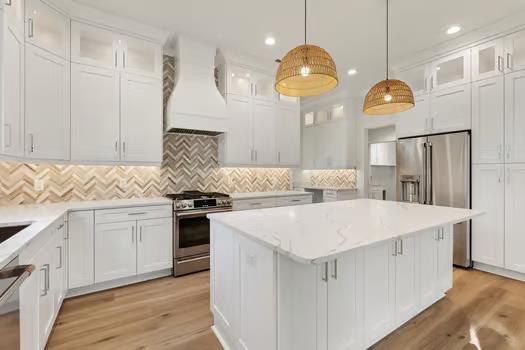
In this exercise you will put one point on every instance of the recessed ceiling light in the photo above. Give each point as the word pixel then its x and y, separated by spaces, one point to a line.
pixel 270 41
pixel 352 72
pixel 453 30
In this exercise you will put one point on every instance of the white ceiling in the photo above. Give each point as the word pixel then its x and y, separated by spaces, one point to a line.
pixel 353 31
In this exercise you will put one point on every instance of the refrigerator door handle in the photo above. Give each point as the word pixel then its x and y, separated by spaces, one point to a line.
pixel 423 199
pixel 429 175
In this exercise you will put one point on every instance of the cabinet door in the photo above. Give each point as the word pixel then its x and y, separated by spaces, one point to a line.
pixel 416 78
pixel 407 279
pixel 115 251
pixel 257 300
pixel 488 115
pixel 141 57
pixel 428 260
pixel 44 268
pixel 488 60
pixel 514 209
pixel 308 147
pixel 345 302
pixel 379 291
pixel 14 17
pixel 445 259
pixel 95 113
pixel 239 137
pixel 141 119
pixel 155 245
pixel 288 135
pixel 12 90
pixel 451 109
pixel 488 231
pixel 263 86
pixel 515 117
pixel 81 249
pixel 47 28
pixel 414 121
pixel 263 121
pixel 288 100
pixel 238 81
pixel 515 52
pixel 450 71
pixel 47 102
pixel 93 46
pixel 59 272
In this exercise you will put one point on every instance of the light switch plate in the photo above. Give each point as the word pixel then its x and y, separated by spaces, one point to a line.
pixel 39 184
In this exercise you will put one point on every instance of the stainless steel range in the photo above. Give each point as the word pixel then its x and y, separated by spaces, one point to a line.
pixel 191 228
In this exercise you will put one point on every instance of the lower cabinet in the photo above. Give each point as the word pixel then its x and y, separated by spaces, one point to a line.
pixel 81 248
pixel 514 209
pixel 155 245
pixel 270 202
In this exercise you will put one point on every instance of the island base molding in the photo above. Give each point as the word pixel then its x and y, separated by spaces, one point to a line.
pixel 500 271
pixel 262 299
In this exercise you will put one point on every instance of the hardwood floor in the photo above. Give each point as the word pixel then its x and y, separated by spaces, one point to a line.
pixel 482 311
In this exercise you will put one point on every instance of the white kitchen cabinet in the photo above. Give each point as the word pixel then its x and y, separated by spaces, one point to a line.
pixel 14 18
pixel 81 249
pixel 515 52
pixel 383 154
pixel 236 147
pixel 255 203
pixel 345 302
pixel 488 115
pixel 308 147
pixel 141 57
pixel 155 245
pixel 488 60
pixel 46 308
pixel 12 90
pixel 451 71
pixel 488 230
pixel 257 297
pixel 96 113
pixel 141 119
pixel 514 209
pixel 428 266
pixel 237 80
pixel 414 121
pixel 263 86
pixel 379 290
pixel 60 267
pixel 445 257
pixel 289 100
pixel 451 109
pixel 115 250
pixel 416 78
pixel 47 101
pixel 47 28
pixel 94 46
pixel 263 128
pixel 288 135
pixel 515 117
pixel 407 278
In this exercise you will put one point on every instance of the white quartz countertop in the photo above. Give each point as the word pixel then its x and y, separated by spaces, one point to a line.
pixel 40 216
pixel 315 233
pixel 271 194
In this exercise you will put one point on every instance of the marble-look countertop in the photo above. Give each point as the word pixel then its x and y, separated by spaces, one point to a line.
pixel 41 216
pixel 315 233
pixel 271 194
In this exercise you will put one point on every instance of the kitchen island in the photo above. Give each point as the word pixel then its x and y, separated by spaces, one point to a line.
pixel 338 275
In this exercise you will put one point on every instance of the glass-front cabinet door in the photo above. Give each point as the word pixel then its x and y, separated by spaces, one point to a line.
pixel 93 46
pixel 450 71
pixel 47 28
pixel 263 86
pixel 487 60
pixel 141 57
pixel 416 78
pixel 239 81
pixel 515 52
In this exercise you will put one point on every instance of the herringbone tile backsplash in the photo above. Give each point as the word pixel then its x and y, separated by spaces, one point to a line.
pixel 190 162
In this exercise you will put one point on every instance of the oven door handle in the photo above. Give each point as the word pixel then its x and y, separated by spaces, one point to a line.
pixel 21 273
pixel 201 213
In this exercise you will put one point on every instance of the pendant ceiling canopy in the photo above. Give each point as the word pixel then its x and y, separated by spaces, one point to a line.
pixel 306 70
pixel 388 96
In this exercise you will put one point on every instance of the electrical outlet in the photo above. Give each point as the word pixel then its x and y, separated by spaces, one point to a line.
pixel 123 183
pixel 39 184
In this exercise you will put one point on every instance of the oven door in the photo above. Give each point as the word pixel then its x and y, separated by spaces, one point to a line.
pixel 192 232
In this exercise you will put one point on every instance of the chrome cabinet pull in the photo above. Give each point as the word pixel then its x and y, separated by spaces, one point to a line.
pixel 116 146
pixel 279 156
pixel 324 275
pixel 509 60
pixel 45 268
pixel 8 135
pixel 124 147
pixel 132 234
pixel 140 234
pixel 394 252
pixel 31 143
pixel 500 63
pixel 334 269
pixel 60 252
pixel 30 28
pixel 139 213
pixel 400 247
pixel 255 203
pixel 116 58
pixel 124 59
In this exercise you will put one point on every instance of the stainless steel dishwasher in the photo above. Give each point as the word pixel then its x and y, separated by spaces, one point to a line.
pixel 11 278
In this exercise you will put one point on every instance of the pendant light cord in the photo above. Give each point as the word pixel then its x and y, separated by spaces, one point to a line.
pixel 305 22
pixel 387 39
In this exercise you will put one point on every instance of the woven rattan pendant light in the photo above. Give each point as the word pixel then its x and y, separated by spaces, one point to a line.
pixel 388 96
pixel 306 70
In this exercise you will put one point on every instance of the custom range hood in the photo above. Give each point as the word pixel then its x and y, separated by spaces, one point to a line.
pixel 195 105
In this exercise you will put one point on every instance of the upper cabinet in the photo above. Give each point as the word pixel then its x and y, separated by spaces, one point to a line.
pixel 244 81
pixel 93 46
pixel 47 28
pixel 14 18
pixel 515 117
pixel 417 78
pixel 141 57
pixel 488 60
pixel 450 71
pixel 288 135
pixel 515 52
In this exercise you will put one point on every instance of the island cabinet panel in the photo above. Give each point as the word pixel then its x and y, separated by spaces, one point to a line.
pixel 407 279
pixel 445 249
pixel 428 267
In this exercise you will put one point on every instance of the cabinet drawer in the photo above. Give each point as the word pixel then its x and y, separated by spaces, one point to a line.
pixel 247 204
pixel 135 213
pixel 295 200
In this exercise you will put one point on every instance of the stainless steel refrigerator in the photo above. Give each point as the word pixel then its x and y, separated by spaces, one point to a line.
pixel 435 170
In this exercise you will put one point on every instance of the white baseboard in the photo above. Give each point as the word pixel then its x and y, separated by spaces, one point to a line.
pixel 117 283
pixel 223 342
pixel 500 271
